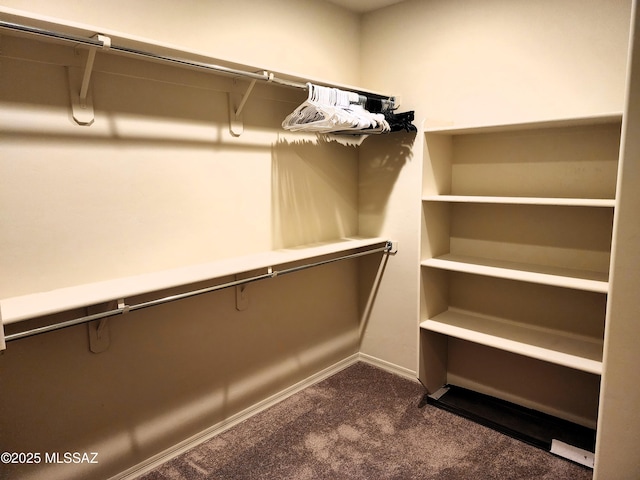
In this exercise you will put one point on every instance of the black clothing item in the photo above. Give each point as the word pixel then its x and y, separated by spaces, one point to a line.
pixel 401 121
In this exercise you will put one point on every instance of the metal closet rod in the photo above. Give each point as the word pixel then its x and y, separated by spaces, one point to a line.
pixel 94 42
pixel 122 309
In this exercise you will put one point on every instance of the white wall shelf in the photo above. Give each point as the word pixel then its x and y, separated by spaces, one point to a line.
pixel 24 307
pixel 612 117
pixel 562 348
pixel 95 39
pixel 568 202
pixel 559 277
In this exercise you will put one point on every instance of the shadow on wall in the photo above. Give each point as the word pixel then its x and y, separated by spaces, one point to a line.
pixel 324 188
pixel 382 158
pixel 314 184
pixel 370 273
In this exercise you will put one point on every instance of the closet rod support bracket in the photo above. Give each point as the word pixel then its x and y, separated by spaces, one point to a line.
pixel 99 335
pixel 391 248
pixel 3 344
pixel 245 97
pixel 242 294
pixel 236 123
pixel 81 99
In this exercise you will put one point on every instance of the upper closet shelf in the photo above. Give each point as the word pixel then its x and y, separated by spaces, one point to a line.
pixel 59 31
pixel 613 117
pixel 566 202
pixel 35 305
pixel 97 39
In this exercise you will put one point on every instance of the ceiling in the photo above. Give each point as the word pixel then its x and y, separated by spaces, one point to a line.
pixel 361 6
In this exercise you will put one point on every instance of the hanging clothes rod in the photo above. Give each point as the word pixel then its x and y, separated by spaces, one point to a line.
pixel 96 43
pixel 122 308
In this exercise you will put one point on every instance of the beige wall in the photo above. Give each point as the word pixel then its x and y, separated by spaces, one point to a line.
pixel 159 182
pixel 390 206
pixel 462 61
pixel 142 190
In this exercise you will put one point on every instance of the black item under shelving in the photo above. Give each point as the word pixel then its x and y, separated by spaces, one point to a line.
pixel 531 426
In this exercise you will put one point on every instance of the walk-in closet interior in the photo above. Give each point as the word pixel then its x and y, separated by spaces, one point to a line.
pixel 177 253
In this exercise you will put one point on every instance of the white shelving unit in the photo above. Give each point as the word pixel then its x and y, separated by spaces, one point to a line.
pixel 505 208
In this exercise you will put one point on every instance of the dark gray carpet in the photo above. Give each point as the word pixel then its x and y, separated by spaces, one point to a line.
pixel 364 423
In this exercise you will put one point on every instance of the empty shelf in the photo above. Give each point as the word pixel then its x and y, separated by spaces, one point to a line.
pixel 34 305
pixel 561 348
pixel 565 202
pixel 554 276
pixel 614 117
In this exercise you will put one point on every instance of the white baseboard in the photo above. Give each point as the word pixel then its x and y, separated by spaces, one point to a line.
pixel 239 417
pixel 388 366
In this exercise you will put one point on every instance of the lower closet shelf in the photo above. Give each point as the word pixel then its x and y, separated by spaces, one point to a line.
pixel 24 307
pixel 561 348
pixel 564 438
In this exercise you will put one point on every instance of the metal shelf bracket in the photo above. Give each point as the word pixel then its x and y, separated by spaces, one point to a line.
pixel 3 345
pixel 99 335
pixel 236 123
pixel 81 99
